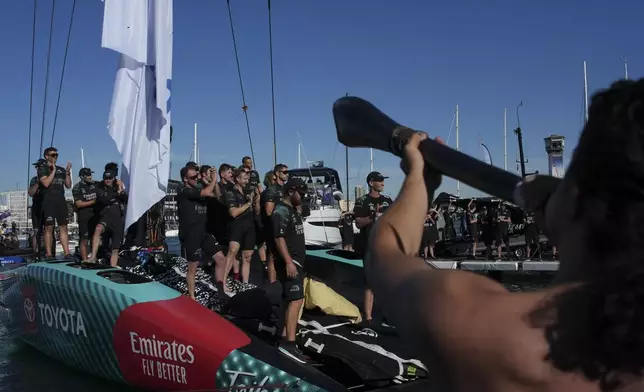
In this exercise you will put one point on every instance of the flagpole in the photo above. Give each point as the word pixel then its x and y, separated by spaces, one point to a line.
pixel 458 183
pixel 82 158
pixel 505 139
pixel 194 145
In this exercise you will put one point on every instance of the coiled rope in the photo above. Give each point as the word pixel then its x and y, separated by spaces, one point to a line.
pixel 241 84
pixel 44 106
pixel 62 74
pixel 31 89
pixel 270 45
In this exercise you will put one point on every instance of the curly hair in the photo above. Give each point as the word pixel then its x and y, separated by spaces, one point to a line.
pixel 598 327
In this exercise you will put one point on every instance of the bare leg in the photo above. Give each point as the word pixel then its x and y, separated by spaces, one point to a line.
pixel 83 249
pixel 245 268
pixel 368 304
pixel 49 239
pixel 270 268
pixel 292 315
pixel 114 258
pixel 431 252
pixel 190 277
pixel 233 248
pixel 96 241
pixel 64 239
pixel 220 266
pixel 261 251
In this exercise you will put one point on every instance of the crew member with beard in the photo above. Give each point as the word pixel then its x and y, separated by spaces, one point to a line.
pixel 110 200
pixel 472 218
pixel 196 242
pixel 84 193
pixel 502 230
pixel 241 230
pixel 36 208
pixel 367 210
pixel 269 198
pixel 288 234
pixel 53 180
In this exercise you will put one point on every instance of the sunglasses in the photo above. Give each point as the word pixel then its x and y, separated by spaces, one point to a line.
pixel 54 155
pixel 284 171
pixel 192 178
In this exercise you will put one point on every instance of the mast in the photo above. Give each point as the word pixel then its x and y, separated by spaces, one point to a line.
pixel 299 155
pixel 370 159
pixel 194 146
pixel 458 183
pixel 625 67
pixel 346 168
pixel 585 94
pixel 82 158
pixel 505 139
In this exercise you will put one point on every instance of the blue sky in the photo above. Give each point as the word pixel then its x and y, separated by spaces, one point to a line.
pixel 413 59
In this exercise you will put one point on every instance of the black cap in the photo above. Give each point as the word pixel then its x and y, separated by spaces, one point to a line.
pixel 375 176
pixel 294 183
pixel 40 162
pixel 85 171
pixel 108 175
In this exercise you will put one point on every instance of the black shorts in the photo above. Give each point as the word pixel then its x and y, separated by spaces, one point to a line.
pixel 292 289
pixel 531 234
pixel 86 226
pixel 502 235
pixel 54 211
pixel 260 232
pixel 195 246
pixel 347 234
pixel 113 230
pixel 244 234
pixel 473 229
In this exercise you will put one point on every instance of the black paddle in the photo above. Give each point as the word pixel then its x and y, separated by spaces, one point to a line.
pixel 360 124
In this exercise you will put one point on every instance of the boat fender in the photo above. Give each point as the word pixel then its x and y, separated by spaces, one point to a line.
pixel 317 347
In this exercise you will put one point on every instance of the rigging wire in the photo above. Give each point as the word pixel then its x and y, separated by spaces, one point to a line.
pixel 241 84
pixel 451 126
pixel 62 74
pixel 31 89
pixel 270 50
pixel 44 106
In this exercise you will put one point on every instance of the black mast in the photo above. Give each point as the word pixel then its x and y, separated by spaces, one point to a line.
pixel 519 134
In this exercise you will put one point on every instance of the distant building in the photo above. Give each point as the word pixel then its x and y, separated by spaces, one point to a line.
pixel 359 191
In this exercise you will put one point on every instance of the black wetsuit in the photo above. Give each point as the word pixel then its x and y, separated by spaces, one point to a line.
pixel 84 191
pixel 242 228
pixel 287 224
pixel 111 211
pixel 193 233
pixel 54 206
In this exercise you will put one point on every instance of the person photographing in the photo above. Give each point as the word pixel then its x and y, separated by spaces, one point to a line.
pixel 581 334
pixel 53 181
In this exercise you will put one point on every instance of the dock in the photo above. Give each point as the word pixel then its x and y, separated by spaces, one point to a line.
pixel 500 266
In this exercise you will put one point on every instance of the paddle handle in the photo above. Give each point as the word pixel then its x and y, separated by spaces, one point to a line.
pixel 360 124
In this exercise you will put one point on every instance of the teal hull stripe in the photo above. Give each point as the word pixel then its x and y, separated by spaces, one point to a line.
pixel 324 254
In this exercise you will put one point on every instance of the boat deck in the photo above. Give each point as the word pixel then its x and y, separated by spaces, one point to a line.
pixel 502 266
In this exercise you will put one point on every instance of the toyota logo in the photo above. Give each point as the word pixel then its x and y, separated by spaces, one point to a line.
pixel 30 312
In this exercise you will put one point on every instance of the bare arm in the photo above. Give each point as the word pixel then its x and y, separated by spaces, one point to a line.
pixel 237 211
pixel 33 190
pixel 47 180
pixel 84 204
pixel 280 242
pixel 68 178
pixel 209 190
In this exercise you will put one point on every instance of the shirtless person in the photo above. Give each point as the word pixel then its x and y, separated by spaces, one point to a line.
pixel 584 333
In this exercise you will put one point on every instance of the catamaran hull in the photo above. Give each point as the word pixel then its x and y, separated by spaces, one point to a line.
pixel 124 328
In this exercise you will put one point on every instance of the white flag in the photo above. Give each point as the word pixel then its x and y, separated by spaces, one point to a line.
pixel 139 121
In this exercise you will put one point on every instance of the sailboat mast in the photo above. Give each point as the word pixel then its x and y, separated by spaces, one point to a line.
pixel 194 146
pixel 505 139
pixel 82 158
pixel 346 158
pixel 370 159
pixel 585 93
pixel 299 155
pixel 625 67
pixel 458 183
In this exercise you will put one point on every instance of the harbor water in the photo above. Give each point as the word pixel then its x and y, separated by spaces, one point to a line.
pixel 23 369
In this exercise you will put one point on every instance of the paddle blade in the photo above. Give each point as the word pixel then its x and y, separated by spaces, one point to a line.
pixel 360 124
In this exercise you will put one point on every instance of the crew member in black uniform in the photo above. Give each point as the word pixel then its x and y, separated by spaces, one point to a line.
pixel 53 180
pixel 488 229
pixel 345 224
pixel 288 234
pixel 269 198
pixel 367 210
pixel 448 216
pixel 472 219
pixel 254 183
pixel 531 234
pixel 84 193
pixel 502 230
pixel 430 234
pixel 241 230
pixel 110 207
pixel 196 242
pixel 36 208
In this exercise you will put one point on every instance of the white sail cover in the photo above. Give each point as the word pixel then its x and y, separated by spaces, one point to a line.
pixel 139 121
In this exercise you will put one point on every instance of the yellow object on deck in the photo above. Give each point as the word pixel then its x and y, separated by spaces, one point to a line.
pixel 319 295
